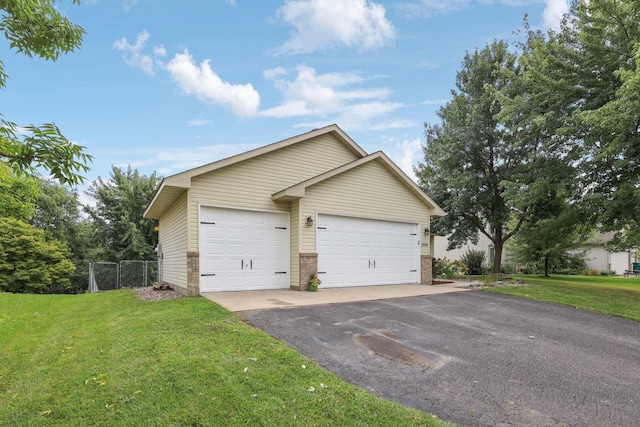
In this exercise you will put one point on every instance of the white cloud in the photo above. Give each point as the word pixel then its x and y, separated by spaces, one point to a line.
pixel 129 4
pixel 203 82
pixel 132 53
pixel 201 122
pixel 405 154
pixel 169 161
pixel 335 95
pixel 554 12
pixel 160 51
pixel 321 24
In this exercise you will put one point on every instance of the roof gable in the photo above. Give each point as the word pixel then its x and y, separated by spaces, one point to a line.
pixel 172 187
pixel 298 191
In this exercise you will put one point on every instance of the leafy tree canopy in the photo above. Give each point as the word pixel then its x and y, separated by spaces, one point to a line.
pixel 477 166
pixel 117 216
pixel 28 262
pixel 579 90
pixel 36 28
pixel 17 196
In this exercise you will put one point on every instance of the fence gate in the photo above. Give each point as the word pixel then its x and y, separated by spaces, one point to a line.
pixel 103 276
pixel 107 276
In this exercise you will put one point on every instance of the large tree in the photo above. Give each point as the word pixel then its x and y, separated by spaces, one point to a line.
pixel 580 88
pixel 120 203
pixel 57 213
pixel 36 28
pixel 475 165
pixel 556 228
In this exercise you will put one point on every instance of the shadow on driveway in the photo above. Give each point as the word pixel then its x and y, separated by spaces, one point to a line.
pixel 477 359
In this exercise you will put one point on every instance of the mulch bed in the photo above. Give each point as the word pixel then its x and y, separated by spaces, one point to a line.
pixel 157 292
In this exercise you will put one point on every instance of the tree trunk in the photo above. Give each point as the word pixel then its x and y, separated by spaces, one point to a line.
pixel 497 257
pixel 546 266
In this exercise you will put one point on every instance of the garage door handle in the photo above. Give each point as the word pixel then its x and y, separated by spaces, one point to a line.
pixel 251 264
pixel 369 263
pixel 208 274
pixel 241 264
pixel 374 264
pixel 209 223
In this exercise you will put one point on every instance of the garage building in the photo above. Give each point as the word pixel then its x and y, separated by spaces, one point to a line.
pixel 268 218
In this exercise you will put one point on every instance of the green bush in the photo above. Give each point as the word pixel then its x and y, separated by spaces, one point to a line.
pixel 28 262
pixel 474 260
pixel 447 268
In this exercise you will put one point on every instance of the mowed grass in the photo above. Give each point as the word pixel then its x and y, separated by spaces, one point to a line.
pixel 615 296
pixel 111 359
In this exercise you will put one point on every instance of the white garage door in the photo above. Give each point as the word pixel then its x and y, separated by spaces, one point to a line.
pixel 361 252
pixel 243 250
pixel 620 261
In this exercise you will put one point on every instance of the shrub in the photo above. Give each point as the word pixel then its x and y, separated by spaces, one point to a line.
pixel 28 262
pixel 591 272
pixel 447 269
pixel 474 260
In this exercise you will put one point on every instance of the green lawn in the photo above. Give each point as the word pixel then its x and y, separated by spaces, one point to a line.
pixel 112 359
pixel 615 296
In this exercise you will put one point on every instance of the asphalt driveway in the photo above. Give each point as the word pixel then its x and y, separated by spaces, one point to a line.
pixel 475 358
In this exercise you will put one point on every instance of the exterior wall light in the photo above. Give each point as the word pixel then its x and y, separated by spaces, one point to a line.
pixel 426 231
pixel 309 221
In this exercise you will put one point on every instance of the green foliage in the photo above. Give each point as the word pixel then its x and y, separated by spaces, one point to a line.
pixel 58 214
pixel 28 262
pixel 591 272
pixel 110 359
pixel 474 260
pixel 475 162
pixel 579 93
pixel 551 240
pixel 118 215
pixel 35 27
pixel 17 196
pixel 45 147
pixel 448 269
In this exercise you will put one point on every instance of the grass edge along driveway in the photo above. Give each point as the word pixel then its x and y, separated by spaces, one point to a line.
pixel 614 296
pixel 112 359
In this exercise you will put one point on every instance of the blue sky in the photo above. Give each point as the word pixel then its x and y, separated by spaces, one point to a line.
pixel 166 86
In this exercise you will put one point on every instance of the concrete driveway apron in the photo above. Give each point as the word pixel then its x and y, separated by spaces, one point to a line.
pixel 474 358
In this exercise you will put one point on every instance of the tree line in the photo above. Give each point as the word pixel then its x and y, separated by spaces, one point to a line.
pixel 540 143
pixel 48 237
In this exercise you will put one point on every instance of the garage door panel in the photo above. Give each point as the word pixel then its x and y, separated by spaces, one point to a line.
pixel 360 252
pixel 244 249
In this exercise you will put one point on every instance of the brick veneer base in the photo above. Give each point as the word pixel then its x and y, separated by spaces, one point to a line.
pixel 308 265
pixel 193 274
pixel 426 270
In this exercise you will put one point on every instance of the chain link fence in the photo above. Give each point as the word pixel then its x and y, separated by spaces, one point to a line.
pixel 108 276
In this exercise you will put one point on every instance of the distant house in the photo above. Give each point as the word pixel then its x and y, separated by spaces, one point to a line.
pixel 268 218
pixel 598 258
pixel 484 244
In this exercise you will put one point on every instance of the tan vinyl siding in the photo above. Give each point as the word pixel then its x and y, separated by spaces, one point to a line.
pixel 250 184
pixel 295 243
pixel 368 191
pixel 173 238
